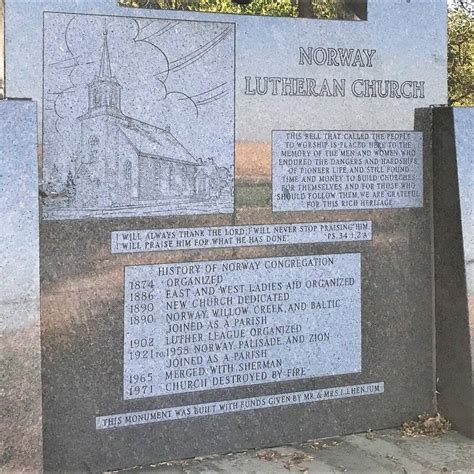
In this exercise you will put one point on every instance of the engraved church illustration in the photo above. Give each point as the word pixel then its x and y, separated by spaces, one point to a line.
pixel 123 164
pixel 138 161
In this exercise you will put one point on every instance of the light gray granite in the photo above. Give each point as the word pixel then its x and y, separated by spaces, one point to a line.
pixel 165 240
pixel 410 45
pixel 132 127
pixel 19 207
pixel 243 322
pixel 341 170
pixel 121 420
pixel 449 133
pixel 19 285
pixel 464 133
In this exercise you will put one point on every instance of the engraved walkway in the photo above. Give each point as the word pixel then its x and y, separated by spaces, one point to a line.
pixel 377 452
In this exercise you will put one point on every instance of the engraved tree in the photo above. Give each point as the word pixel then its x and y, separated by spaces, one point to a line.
pixel 70 190
pixel 461 53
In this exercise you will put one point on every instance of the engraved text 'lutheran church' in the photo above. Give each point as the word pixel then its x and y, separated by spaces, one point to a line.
pixel 123 161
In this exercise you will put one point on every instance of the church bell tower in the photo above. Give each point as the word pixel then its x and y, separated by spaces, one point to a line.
pixel 105 91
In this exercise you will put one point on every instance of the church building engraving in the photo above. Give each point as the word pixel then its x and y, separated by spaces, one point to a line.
pixel 123 164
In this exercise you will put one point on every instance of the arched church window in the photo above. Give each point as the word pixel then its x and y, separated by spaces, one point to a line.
pixel 93 148
pixel 127 169
pixel 157 170
pixel 171 176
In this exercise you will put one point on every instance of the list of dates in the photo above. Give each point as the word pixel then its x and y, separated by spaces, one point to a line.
pixel 210 325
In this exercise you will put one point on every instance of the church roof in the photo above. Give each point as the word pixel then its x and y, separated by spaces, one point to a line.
pixel 154 142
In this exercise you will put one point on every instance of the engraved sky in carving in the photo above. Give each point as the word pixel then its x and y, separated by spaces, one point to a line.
pixel 175 86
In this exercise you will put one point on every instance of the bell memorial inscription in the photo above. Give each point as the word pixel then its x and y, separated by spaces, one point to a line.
pixel 340 170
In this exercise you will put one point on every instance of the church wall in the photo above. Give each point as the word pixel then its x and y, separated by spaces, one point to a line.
pixel 114 174
pixel 164 179
pixel 90 169
pixel 146 179
pixel 125 159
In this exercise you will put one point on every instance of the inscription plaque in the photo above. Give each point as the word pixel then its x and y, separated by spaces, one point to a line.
pixel 207 325
pixel 153 240
pixel 233 406
pixel 340 170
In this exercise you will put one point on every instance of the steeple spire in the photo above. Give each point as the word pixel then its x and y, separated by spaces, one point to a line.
pixel 105 93
pixel 105 71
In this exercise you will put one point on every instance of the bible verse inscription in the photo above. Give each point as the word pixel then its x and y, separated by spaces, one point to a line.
pixel 208 325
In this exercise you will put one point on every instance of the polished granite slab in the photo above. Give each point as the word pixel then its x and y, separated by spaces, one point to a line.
pixel 108 117
pixel 450 132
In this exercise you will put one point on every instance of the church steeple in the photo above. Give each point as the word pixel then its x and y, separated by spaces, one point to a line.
pixel 105 68
pixel 105 92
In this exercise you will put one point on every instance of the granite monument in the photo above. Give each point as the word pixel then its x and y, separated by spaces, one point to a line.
pixel 449 132
pixel 236 224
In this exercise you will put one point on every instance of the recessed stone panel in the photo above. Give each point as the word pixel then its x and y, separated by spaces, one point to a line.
pixel 200 326
pixel 233 406
pixel 163 240
pixel 118 143
pixel 342 170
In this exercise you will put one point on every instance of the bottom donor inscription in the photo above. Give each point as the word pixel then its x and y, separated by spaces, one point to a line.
pixel 208 325
pixel 234 406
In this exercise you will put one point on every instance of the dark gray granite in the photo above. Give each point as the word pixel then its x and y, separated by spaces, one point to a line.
pixel 450 131
pixel 19 287
pixel 370 360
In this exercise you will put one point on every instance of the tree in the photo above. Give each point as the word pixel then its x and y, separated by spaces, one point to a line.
pixel 292 8
pixel 461 54
pixel 305 8
pixel 351 9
